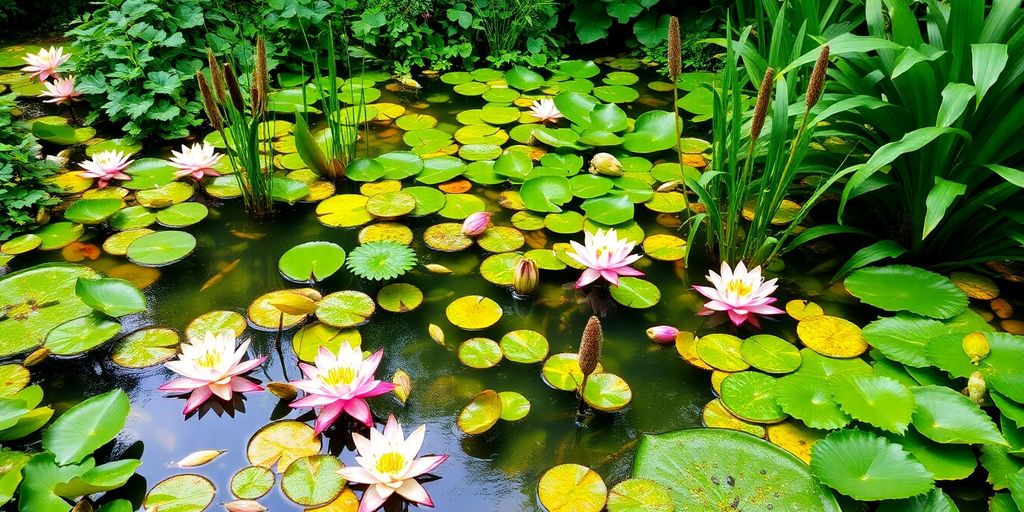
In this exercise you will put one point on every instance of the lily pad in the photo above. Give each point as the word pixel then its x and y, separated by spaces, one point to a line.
pixel 446 237
pixel 181 493
pixel 460 206
pixel 311 261
pixel 399 297
pixel 500 268
pixel 59 235
pixel 265 316
pixel 810 399
pixel 481 413
pixel 146 347
pixel 92 211
pixel 21 244
pixel 640 495
pixel 607 392
pixel 514 406
pixel 715 415
pixel 282 443
pixel 524 346
pixel 345 309
pixel 832 336
pixel 872 469
pixel 770 354
pixel 665 247
pixel 344 211
pixel 501 239
pixel 428 200
pixel 182 215
pixel 13 378
pixel 114 297
pixel 876 400
pixel 906 288
pixel 473 312
pixel 252 483
pixel 313 480
pixel 166 195
pixel 308 340
pixel 133 217
pixel 214 322
pixel 751 397
pixel 572 488
pixel 161 248
pixel 562 371
pixel 36 300
pixel 722 351
pixel 81 335
pixel 480 353
pixel 635 293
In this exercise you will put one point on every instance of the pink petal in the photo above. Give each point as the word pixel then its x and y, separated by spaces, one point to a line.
pixel 197 398
pixel 327 416
pixel 358 409
pixel 708 292
pixel 244 385
pixel 380 389
pixel 313 401
pixel 247 366
pixel 221 390
pixel 589 276
pixel 183 384
pixel 628 271
pixel 737 318
pixel 374 497
pixel 357 475
pixel 414 492
pixel 424 465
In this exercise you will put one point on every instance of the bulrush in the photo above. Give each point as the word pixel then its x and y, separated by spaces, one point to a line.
pixel 209 105
pixel 525 277
pixel 764 98
pixel 818 76
pixel 663 334
pixel 259 78
pixel 590 347
pixel 234 91
pixel 605 164
pixel 476 224
pixel 675 60
pixel 217 74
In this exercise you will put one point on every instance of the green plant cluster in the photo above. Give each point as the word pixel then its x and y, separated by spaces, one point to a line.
pixel 22 173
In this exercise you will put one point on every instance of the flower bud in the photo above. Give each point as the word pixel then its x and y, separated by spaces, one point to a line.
pixel 605 164
pixel 526 277
pixel 590 347
pixel 976 388
pixel 668 186
pixel 476 224
pixel 663 334
pixel 976 347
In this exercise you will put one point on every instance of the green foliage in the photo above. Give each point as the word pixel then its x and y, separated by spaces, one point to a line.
pixel 22 173
pixel 380 261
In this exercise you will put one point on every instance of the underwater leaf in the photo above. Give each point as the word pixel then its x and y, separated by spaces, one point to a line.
pixel 867 467
pixel 113 297
pixel 879 401
pixel 87 426
pixel 745 473
pixel 906 288
pixel 945 416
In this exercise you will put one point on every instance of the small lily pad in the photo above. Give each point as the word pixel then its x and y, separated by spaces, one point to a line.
pixel 665 247
pixel 514 406
pixel 399 297
pixel 524 346
pixel 481 413
pixel 832 336
pixel 181 493
pixel 59 235
pixel 308 340
pixel 428 200
pixel 311 261
pixel 473 312
pixel 390 204
pixel 480 353
pixel 161 248
pixel 572 488
pixel 607 392
pixel 501 239
pixel 21 244
pixel 146 347
pixel 345 309
pixel 182 215
pixel 640 495
pixel 460 206
pixel 446 237
pixel 215 321
pixel 500 268
pixel 265 316
pixel 751 397
pixel 166 195
pixel 282 443
pixel 81 334
pixel 565 223
pixel 252 483
pixel 635 293
pixel 770 354
pixel 92 211
pixel 386 232
pixel 133 217
pixel 562 371
pixel 313 480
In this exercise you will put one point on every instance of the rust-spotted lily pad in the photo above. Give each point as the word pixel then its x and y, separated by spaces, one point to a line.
pixel 13 378
pixel 640 495
pixel 473 312
pixel 282 443
pixel 348 308
pixel 181 493
pixel 399 297
pixel 572 488
pixel 480 353
pixel 607 392
pixel 386 232
pixel 481 413
pixel 832 336
pixel 446 237
pixel 146 347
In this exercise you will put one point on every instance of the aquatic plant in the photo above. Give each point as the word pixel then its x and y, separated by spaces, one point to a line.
pixel 212 366
pixel 740 293
pixel 476 224
pixel 340 383
pixel 545 110
pixel 196 161
pixel 663 334
pixel 45 63
pixel 106 166
pixel 61 91
pixel 388 464
pixel 525 277
pixel 382 260
pixel 24 193
pixel 238 122
pixel 605 256
pixel 605 164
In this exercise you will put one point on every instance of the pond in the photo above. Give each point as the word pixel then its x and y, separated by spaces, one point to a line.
pixel 236 261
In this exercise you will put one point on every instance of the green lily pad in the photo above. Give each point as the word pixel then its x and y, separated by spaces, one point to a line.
pixel 500 268
pixel 546 193
pixel 546 259
pixel 667 202
pixel 746 473
pixel 440 169
pixel 513 165
pixel 21 244
pixel 224 187
pixel 133 217
pixel 579 68
pixel 611 209
pixel 879 401
pixel 92 211
pixel 166 195
pixel 607 392
pixel 640 495
pixel 471 88
pixel 496 115
pixel 616 93
pixel 565 223
pixel 181 493
pixel 514 406
pixel 475 152
pixel 524 79
pixel 460 206
pixel 252 483
pixel 480 353
pixel 182 215
pixel 906 288
pixel 428 200
pixel 214 322
pixel 501 239
pixel 346 309
pixel 562 371
pixel 117 244
pixel 36 300
pixel 473 312
pixel 146 347
pixel 481 134
pixel 872 469
pixel 527 221
pixel 501 95
pixel 524 346
pixel 810 399
pixel 126 146
pixel 56 129
pixel 751 397
pixel 770 354
pixel 481 413
pixel 587 186
pixel 81 335
pixel 456 77
pixel 945 416
pixel 161 248
pixel 311 261
pixel 654 131
pixel 313 481
pixel 635 293
pixel 113 297
pixel 399 297
pixel 308 340
pixel 400 164
pixel 149 173
pixel 59 235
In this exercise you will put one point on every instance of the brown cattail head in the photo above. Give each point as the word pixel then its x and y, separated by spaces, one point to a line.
pixel 818 78
pixel 764 97
pixel 590 346
pixel 675 61
pixel 259 77
pixel 233 90
pixel 218 77
pixel 212 111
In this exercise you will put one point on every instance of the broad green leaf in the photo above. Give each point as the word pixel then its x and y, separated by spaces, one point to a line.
pixel 906 288
pixel 945 416
pixel 113 297
pixel 87 426
pixel 867 467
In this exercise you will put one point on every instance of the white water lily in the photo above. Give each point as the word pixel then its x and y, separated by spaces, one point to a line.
pixel 44 64
pixel 545 111
pixel 740 293
pixel 210 366
pixel 196 161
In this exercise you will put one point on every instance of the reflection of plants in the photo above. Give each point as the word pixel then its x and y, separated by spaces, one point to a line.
pixel 379 261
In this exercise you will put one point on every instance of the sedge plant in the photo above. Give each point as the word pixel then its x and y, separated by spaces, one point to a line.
pixel 238 120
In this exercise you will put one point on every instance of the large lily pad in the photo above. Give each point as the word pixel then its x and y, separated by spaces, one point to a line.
pixel 181 493
pixel 161 248
pixel 311 261
pixel 744 473
pixel 867 467
pixel 282 443
pixel 35 301
pixel 81 334
pixel 906 288
pixel 314 480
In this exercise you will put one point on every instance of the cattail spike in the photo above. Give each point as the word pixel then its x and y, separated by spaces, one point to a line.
pixel 212 111
pixel 590 346
pixel 259 77
pixel 764 97
pixel 818 78
pixel 218 77
pixel 233 90
pixel 675 61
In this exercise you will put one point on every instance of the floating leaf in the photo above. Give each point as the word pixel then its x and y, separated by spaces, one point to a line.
pixel 879 401
pixel 92 211
pixel 264 315
pixel 52 284
pixel 161 248
pixel 102 417
pixel 867 467
pixel 113 297
pixel 500 268
pixel 654 131
pixel 345 309
pixel 722 351
pixel 480 353
pixel 282 442
pixel 562 371
pixel 770 354
pixel 481 413
pixel 473 312
pixel 399 297
pixel 182 215
pixel 906 288
pixel 607 392
pixel 640 495
pixel 751 397
pixel 81 335
pixel 446 237
pixel 524 346
pixel 945 416
pixel 635 293
pixel 501 239
pixel 795 438
pixel 809 399
pixel 214 322
pixel 572 488
pixel 800 309
pixel 546 193
pixel 308 341
pixel 514 406
pixel 715 415
pixel 831 336
pixel 313 480
pixel 181 493
pixel 379 261
pixel 146 347
pixel 252 483
pixel 311 261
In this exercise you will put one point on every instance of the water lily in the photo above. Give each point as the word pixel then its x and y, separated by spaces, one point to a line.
pixel 210 366
pixel 663 334
pixel 741 293
pixel 525 277
pixel 60 90
pixel 106 166
pixel 605 255
pixel 196 161
pixel 340 383
pixel 388 464
pixel 545 110
pixel 476 224
pixel 45 63
pixel 605 164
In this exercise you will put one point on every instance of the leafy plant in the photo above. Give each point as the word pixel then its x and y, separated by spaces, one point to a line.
pixel 424 33
pixel 504 23
pixel 380 261
pixel 23 191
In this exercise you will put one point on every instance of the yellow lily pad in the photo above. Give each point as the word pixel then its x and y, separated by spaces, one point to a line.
pixel 473 312
pixel 390 204
pixel 715 415
pixel 481 413
pixel 665 247
pixel 562 371
pixel 832 336
pixel 379 187
pixel 348 308
pixel 800 309
pixel 344 211
pixel 265 316
pixel 386 231
pixel 117 244
pixel 722 351
pixel 308 340
pixel 214 322
pixel 446 237
pixel 795 438
pixel 572 488
pixel 501 239
pixel 281 443
pixel 686 345
pixel 640 495
pixel 976 286
pixel 399 297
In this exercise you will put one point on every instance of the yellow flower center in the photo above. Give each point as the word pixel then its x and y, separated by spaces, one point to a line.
pixel 390 463
pixel 338 375
pixel 211 359
pixel 739 287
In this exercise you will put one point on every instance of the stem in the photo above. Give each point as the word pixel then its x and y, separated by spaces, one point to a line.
pixel 581 407
pixel 679 148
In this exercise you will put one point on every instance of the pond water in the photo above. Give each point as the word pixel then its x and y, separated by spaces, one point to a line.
pixel 237 260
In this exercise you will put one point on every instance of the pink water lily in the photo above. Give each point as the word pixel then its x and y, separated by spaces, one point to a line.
pixel 45 63
pixel 196 161
pixel 388 464
pixel 605 255
pixel 741 293
pixel 476 223
pixel 663 334
pixel 60 90
pixel 545 111
pixel 106 166
pixel 340 383
pixel 212 366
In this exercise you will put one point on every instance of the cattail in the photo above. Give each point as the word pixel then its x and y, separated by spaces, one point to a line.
pixel 217 75
pixel 590 347
pixel 233 90
pixel 675 61
pixel 259 77
pixel 764 97
pixel 212 112
pixel 817 78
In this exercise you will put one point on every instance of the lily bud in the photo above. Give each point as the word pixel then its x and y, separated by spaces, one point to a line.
pixel 976 388
pixel 663 334
pixel 526 277
pixel 605 164
pixel 668 186
pixel 976 347
pixel 476 224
